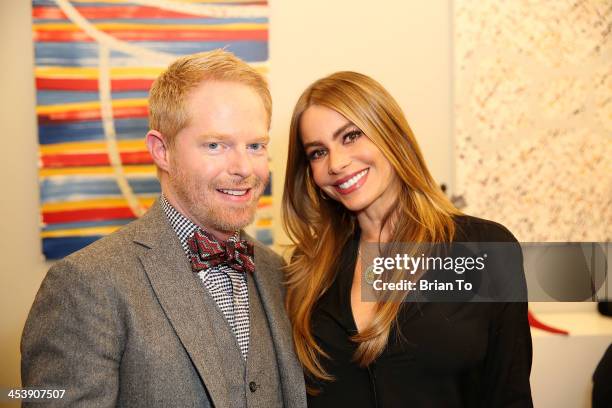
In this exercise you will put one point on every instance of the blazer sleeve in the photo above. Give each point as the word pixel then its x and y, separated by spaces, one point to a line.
pixel 508 361
pixel 73 337
pixel 509 350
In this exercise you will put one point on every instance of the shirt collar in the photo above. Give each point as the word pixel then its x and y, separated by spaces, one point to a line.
pixel 183 226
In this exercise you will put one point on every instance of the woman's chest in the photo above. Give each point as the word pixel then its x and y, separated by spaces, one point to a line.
pixel 442 338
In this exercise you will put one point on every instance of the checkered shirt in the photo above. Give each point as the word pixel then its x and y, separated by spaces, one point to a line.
pixel 227 286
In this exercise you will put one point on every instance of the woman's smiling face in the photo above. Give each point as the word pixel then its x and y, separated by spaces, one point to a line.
pixel 344 162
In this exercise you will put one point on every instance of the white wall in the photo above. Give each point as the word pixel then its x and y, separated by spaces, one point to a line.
pixel 21 264
pixel 404 45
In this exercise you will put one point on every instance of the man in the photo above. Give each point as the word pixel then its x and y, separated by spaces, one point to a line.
pixel 175 309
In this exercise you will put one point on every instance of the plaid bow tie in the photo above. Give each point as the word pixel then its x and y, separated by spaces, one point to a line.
pixel 205 251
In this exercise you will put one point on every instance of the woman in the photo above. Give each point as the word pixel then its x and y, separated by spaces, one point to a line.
pixel 355 175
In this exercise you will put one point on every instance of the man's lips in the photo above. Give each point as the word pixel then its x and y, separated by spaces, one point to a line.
pixel 236 194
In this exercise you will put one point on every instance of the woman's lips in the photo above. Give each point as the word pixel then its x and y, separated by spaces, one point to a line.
pixel 351 183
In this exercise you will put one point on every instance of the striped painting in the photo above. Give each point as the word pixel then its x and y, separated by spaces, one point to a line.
pixel 94 64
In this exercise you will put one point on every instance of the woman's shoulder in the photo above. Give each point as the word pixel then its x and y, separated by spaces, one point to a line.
pixel 474 229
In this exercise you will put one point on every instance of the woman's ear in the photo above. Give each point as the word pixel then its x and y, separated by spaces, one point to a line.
pixel 158 149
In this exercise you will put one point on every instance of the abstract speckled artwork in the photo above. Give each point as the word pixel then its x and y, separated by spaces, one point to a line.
pixel 533 116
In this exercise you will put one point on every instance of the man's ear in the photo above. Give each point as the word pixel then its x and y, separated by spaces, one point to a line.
pixel 158 149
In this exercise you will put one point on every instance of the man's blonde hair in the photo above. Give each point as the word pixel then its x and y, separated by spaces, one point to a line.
pixel 168 96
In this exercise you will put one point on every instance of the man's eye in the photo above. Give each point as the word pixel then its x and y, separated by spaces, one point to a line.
pixel 212 146
pixel 352 136
pixel 257 146
pixel 316 154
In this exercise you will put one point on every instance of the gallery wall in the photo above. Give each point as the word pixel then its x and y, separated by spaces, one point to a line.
pixel 414 50
pixel 404 45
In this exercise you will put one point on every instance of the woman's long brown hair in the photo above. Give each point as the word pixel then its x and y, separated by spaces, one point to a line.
pixel 320 228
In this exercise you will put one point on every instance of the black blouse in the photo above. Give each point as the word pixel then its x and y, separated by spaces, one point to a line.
pixel 439 354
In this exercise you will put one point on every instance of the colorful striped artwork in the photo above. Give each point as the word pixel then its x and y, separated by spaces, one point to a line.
pixel 94 64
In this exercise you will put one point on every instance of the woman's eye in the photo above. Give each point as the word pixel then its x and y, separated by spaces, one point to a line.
pixel 352 136
pixel 316 154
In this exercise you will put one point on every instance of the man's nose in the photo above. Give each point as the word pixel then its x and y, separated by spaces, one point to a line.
pixel 239 163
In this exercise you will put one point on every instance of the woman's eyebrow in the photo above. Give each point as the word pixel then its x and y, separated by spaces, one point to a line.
pixel 342 129
pixel 337 133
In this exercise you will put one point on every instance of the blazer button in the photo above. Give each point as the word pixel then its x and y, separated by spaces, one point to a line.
pixel 253 386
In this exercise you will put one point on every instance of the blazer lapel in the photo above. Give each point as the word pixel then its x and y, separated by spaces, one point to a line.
pixel 292 377
pixel 181 295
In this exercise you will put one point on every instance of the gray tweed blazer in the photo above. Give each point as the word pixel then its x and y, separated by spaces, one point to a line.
pixel 123 322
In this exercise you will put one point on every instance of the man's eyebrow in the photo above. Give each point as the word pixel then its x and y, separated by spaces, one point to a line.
pixel 216 136
pixel 221 137
pixel 337 133
pixel 262 139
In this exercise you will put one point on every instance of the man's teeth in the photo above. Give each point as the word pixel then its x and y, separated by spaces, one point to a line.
pixel 234 192
pixel 353 180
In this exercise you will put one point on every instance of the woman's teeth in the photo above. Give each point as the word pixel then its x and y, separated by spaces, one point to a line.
pixel 351 182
